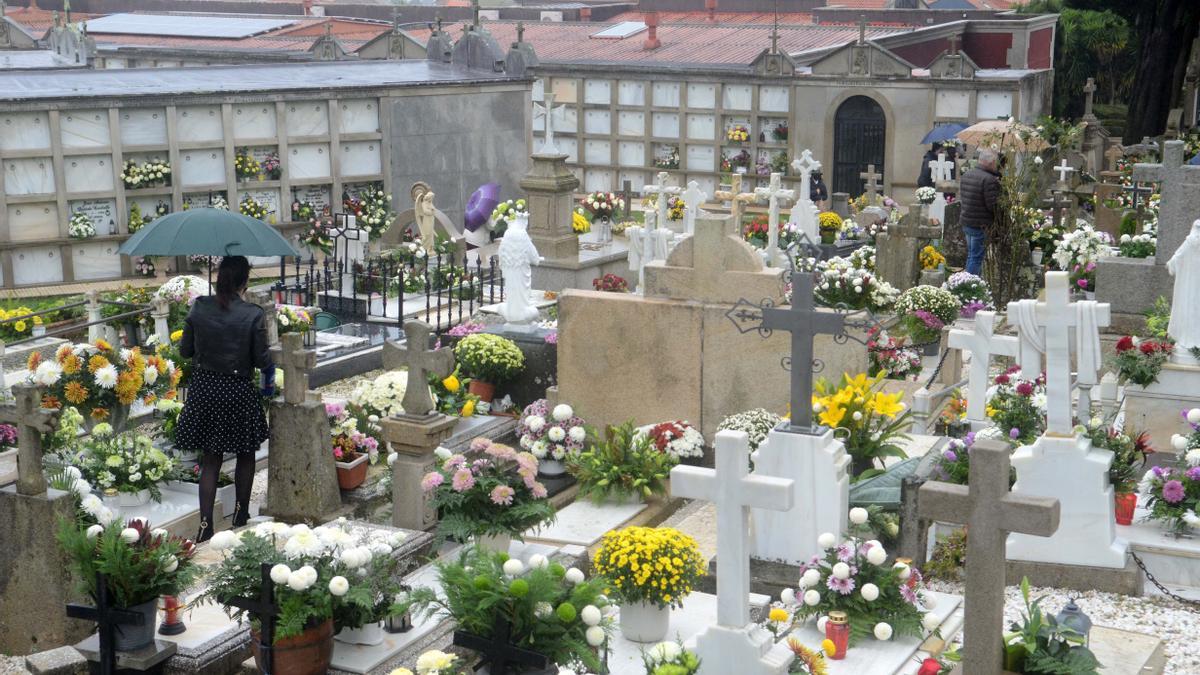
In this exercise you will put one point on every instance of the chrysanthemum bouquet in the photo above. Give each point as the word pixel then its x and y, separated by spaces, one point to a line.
pixel 382 396
pixel 924 310
pixel 972 293
pixel 141 564
pixel 889 356
pixel 492 492
pixel 1130 451
pixel 1140 361
pixel 1017 407
pixel 677 438
pixel 292 320
pixel 926 195
pixel 489 357
pixel 348 440
pixel 931 258
pixel 1173 496
pixel 96 377
pixel 555 433
pixel 737 133
pixel 372 208
pixel 953 465
pixel 249 206
pixel 869 421
pixel 1141 245
pixel 601 204
pixel 244 165
pixel 670 658
pixel 125 462
pixel 842 283
pixel 506 212
pixel 1082 246
pixel 80 226
pixel 652 565
pixel 756 424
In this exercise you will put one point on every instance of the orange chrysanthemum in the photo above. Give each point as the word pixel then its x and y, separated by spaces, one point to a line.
pixel 175 377
pixel 51 402
pixel 62 352
pixel 71 365
pixel 35 359
pixel 75 393
pixel 148 399
pixel 96 363
pixel 170 395
pixel 99 413
pixel 128 384
pixel 103 346
pixel 161 366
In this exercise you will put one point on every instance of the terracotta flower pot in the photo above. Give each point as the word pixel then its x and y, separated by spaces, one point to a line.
pixel 1126 503
pixel 352 473
pixel 308 653
pixel 484 390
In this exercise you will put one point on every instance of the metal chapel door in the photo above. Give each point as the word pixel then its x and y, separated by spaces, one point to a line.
pixel 859 137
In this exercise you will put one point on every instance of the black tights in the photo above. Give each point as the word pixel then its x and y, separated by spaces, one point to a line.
pixel 243 480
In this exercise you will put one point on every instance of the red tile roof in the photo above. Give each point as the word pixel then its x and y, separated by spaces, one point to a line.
pixel 704 44
pixel 700 16
pixel 39 21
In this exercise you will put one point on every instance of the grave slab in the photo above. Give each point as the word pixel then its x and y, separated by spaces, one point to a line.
pixel 142 659
pixel 212 643
pixel 60 661
pixel 177 513
pixel 1172 560
pixel 585 522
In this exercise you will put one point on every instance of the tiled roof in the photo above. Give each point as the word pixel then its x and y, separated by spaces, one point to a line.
pixel 700 16
pixel 698 44
pixel 39 21
pixel 886 4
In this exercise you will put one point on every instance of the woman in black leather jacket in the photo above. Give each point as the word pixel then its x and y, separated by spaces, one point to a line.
pixel 226 340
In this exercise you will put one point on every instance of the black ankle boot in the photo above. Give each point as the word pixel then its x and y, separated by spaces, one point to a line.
pixel 241 514
pixel 206 531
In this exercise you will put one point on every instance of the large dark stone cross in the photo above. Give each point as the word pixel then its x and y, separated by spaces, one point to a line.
pixel 266 610
pixel 107 619
pixel 498 651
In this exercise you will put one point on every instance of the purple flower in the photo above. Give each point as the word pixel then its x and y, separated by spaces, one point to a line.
pixel 1193 473
pixel 845 552
pixel 969 439
pixel 1159 472
pixel 1172 491
pixel 1025 388
pixel 1014 433
pixel 930 321
pixel 843 586
pixel 950 456
pixel 908 594
pixel 969 310
pixel 552 338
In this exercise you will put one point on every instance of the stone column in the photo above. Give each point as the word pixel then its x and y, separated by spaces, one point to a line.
pixel 414 439
pixel 549 195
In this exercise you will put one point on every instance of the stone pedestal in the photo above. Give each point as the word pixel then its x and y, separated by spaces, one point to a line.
pixel 746 651
pixel 1131 285
pixel 1156 408
pixel 301 478
pixel 35 584
pixel 414 439
pixel 819 467
pixel 1070 469
pixel 549 195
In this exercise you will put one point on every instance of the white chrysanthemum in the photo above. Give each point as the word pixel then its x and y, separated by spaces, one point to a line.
pixel 810 578
pixel 591 615
pixel 106 377
pixel 298 581
pixel 304 543
pixel 930 622
pixel 513 567
pixel 812 598
pixel 150 375
pixel 556 434
pixel 574 576
pixel 95 531
pixel 826 540
pixel 577 434
pixel 594 636
pixel 858 515
pixel 535 423
pixel 883 631
pixel 841 570
pixel 870 592
pixel 338 586
pixel 48 373
pixel 280 573
pixel 1193 416
pixel 904 571
pixel 1192 457
pixel 562 412
pixel 224 540
pixel 877 555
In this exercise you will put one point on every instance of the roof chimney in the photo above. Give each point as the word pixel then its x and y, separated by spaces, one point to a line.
pixel 585 13
pixel 711 6
pixel 308 5
pixel 651 19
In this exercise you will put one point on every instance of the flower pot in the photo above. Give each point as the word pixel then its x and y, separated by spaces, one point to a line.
pixel 828 237
pixel 551 467
pixel 1126 502
pixel 370 634
pixel 484 390
pixel 138 498
pixel 39 331
pixel 308 653
pixel 1035 257
pixel 623 499
pixel 118 417
pixel 497 543
pixel 1089 295
pixel 352 474
pixel 644 622
pixel 129 638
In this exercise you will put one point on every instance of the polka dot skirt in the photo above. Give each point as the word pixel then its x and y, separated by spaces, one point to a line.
pixel 223 414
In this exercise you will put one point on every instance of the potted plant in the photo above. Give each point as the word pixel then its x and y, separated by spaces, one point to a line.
pixel 139 564
pixel 326 579
pixel 550 610
pixel 1017 407
pixel 1173 496
pixel 489 360
pixel 1140 361
pixel 187 480
pixel 127 463
pixel 551 435
pixel 889 356
pixel 670 658
pixel 647 591
pixel 971 291
pixel 869 421
pixel 381 397
pixel 829 225
pixel 923 311
pixel 352 449
pixel 603 206
pixel 677 438
pixel 624 468
pixel 1130 451
pixel 493 495
pixel 1039 644
pixel 926 195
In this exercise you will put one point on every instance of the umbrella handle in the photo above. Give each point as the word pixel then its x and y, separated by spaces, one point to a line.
pixel 230 245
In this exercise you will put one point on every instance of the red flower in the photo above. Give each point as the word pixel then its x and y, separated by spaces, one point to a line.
pixel 1148 347
pixel 1025 389
pixel 930 667
pixel 1125 343
pixel 1002 379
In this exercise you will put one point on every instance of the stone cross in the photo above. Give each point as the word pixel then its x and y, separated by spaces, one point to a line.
pixel 736 198
pixel 804 321
pixel 941 168
pixel 982 343
pixel 1113 154
pixel 1063 171
pixel 31 420
pixel 953 44
pixel 735 491
pixel 1179 192
pixel 1089 91
pixel 108 618
pixel 663 192
pixel 804 212
pixel 862 30
pixel 872 187
pixel 421 362
pixel 805 165
pixel 269 308
pixel 296 362
pixel 896 261
pixel 990 512
pixel 547 112
pixel 692 197
pixel 266 611
pixel 773 193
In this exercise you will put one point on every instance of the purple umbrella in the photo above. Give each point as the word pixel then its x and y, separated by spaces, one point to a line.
pixel 480 205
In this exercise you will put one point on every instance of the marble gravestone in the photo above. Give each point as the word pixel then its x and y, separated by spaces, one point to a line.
pixel 981 342
pixel 805 215
pixel 773 193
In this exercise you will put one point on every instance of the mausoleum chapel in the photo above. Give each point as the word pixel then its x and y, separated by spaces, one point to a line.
pixel 642 337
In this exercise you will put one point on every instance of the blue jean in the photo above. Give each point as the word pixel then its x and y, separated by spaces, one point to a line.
pixel 976 246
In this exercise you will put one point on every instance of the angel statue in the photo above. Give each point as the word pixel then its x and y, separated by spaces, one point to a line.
pixel 425 214
pixel 517 253
pixel 1185 301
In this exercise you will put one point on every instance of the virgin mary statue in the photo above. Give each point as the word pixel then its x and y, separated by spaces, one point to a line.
pixel 517 253
pixel 1185 302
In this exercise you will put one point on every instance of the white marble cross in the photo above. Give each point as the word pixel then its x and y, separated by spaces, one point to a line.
pixel 982 343
pixel 940 168
pixel 1063 171
pixel 693 197
pixel 548 112
pixel 664 193
pixel 734 491
pixel 804 212
pixel 773 193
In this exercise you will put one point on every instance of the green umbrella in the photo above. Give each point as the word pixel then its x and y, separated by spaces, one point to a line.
pixel 213 232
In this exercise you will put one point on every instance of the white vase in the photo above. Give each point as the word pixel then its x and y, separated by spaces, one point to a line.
pixel 370 634
pixel 497 543
pixel 1036 257
pixel 551 467
pixel 133 498
pixel 1089 295
pixel 644 622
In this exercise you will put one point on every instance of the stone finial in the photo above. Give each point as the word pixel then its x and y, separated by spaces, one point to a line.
pixel 421 362
pixel 520 32
pixel 296 362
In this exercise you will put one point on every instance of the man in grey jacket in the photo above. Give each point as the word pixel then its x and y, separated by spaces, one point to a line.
pixel 979 191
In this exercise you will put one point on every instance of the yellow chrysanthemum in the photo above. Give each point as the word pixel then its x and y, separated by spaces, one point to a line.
pixel 20 326
pixel 176 336
pixel 468 408
pixel 96 363
pixel 451 384
pixel 75 393
pixel 72 364
pixel 777 614
pixel 103 345
pixel 34 360
pixel 99 413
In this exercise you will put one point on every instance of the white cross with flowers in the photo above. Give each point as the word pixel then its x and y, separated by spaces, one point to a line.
pixel 773 193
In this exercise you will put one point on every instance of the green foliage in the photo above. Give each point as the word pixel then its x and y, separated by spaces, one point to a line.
pixel 626 464
pixel 949 557
pixel 1038 644
pixel 137 571
pixel 1128 224
pixel 1158 318
pixel 489 357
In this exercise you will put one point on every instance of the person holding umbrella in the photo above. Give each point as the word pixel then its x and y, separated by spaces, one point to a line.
pixel 926 177
pixel 979 191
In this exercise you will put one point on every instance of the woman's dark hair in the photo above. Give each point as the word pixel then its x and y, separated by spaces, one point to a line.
pixel 232 276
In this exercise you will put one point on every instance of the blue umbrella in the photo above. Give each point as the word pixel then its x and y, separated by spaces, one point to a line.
pixel 480 205
pixel 942 131
pixel 1195 161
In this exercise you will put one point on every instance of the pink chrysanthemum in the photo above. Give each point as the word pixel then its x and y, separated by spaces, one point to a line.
pixel 1173 491
pixel 431 481
pixel 502 495
pixel 843 586
pixel 463 480
pixel 538 490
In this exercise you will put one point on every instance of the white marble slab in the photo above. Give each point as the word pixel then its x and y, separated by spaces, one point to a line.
pixel 773 99
pixel 665 95
pixel 952 104
pixel 31 222
pixel 36 265
pixel 96 261
pixel 310 160
pixel 253 121
pixel 665 125
pixel 636 180
pixel 597 152
pixel 569 147
pixel 631 123
pixel 631 153
pixel 32 176
pixel 598 92
pixel 701 95
pixel 631 92
pixel 170 513
pixel 583 522
pixel 359 116
pixel 701 158
pixel 1171 560
pixel 597 122
pixel 569 124
pixel 360 158
pixel 84 129
pixel 204 623
pixel 199 124
pixel 201 167
pixel 24 131
pixel 143 126
pixel 737 96
pixel 702 127
pixel 707 183
pixel 88 173
pixel 307 118
pixel 991 105
pixel 598 180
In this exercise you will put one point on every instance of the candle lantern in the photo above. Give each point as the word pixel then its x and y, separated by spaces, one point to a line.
pixel 400 623
pixel 837 631
pixel 1073 617
pixel 172 624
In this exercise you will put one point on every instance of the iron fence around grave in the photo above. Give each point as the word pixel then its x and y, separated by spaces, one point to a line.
pixel 443 289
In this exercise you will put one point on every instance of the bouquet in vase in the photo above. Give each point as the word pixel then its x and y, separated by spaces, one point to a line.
pixel 96 377
pixel 1017 407
pixel 557 433
pixel 602 204
pixel 127 462
pixel 80 226
pixel 678 438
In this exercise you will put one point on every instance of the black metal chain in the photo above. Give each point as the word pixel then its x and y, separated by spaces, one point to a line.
pixel 1157 584
pixel 938 369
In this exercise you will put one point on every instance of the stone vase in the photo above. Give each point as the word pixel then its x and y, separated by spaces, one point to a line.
pixel 604 229
pixel 644 622
pixel 139 498
pixel 551 467
pixel 497 543
pixel 130 638
pixel 371 634
pixel 308 653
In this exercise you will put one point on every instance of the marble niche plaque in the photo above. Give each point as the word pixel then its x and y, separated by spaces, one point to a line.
pixel 32 222
pixel 37 265
pixel 702 127
pixel 143 126
pixel 199 124
pixel 268 198
pixel 317 195
pixel 597 92
pixel 631 123
pixel 665 125
pixel 88 173
pixel 598 180
pixel 700 95
pixel 148 206
pixel 992 105
pixel 950 103
pixel 636 179
pixel 359 116
pixel 737 97
pixel 307 118
pixel 102 213
pixel 569 147
pixel 201 167
pixel 631 93
pixel 96 261
pixel 631 153
pixel 199 200
pixel 707 184
pixel 665 95
pixel 773 99
pixel 309 161
pixel 360 158
pixel 597 122
pixel 253 121
pixel 32 176
pixel 84 129
pixel 597 152
pixel 701 158
pixel 24 131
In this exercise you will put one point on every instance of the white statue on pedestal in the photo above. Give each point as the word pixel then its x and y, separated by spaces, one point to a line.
pixel 1185 301
pixel 517 254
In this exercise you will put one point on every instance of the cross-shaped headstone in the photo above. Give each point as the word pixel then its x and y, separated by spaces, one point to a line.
pixel 773 193
pixel 547 112
pixel 805 165
pixel 663 192
pixel 940 168
pixel 804 212
pixel 421 362
pixel 498 651
pixel 296 362
pixel 108 620
pixel 264 608
pixel 982 343
pixel 736 198
pixel 990 512
pixel 1089 91
pixel 954 39
pixel 735 491
pixel 692 198
pixel 626 192
pixel 872 187
pixel 31 420
pixel 1063 170
pixel 1179 185
pixel 1113 154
